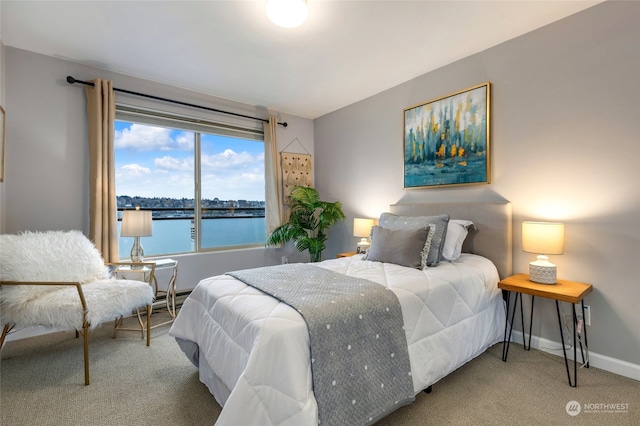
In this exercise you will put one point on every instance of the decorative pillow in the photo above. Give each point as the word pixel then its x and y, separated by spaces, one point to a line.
pixel 400 246
pixel 439 223
pixel 457 231
pixel 424 254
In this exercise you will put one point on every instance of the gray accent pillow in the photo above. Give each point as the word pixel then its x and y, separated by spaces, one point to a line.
pixel 424 254
pixel 440 223
pixel 399 246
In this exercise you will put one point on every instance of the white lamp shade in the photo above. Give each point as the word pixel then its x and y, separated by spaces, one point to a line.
pixel 362 227
pixel 287 13
pixel 543 237
pixel 136 223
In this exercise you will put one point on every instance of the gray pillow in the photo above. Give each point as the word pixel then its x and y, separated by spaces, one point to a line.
pixel 399 246
pixel 440 223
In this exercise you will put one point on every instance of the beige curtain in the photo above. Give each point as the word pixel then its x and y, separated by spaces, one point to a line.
pixel 273 181
pixel 103 225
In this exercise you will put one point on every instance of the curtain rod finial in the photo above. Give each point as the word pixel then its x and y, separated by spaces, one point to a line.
pixel 70 79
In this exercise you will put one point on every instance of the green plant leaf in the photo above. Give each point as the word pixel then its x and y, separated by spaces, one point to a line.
pixel 309 219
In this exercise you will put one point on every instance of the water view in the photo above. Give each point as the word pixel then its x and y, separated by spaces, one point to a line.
pixel 174 235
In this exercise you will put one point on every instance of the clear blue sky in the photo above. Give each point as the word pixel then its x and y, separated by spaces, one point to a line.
pixel 158 162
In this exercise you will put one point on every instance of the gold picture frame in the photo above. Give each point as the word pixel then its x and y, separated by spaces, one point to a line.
pixel 446 140
pixel 2 132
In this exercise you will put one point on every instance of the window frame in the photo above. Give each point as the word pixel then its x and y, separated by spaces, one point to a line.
pixel 199 126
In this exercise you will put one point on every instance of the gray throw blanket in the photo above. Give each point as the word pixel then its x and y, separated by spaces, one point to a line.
pixel 359 356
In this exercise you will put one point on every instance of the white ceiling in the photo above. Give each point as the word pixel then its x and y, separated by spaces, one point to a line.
pixel 345 52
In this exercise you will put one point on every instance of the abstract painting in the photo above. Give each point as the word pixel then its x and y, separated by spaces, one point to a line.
pixel 446 140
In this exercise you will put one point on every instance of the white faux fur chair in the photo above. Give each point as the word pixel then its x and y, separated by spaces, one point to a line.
pixel 59 279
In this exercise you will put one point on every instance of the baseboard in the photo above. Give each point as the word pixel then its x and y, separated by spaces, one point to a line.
pixel 603 362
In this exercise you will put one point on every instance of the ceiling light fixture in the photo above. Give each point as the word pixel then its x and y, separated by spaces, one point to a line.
pixel 287 13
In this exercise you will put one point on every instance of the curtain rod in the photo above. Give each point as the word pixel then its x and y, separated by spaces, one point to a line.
pixel 72 80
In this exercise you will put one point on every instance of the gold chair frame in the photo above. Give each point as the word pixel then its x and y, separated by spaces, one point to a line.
pixel 85 323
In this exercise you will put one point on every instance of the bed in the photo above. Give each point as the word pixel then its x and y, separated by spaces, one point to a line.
pixel 253 351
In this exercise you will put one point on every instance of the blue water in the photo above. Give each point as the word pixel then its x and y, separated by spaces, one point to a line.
pixel 174 236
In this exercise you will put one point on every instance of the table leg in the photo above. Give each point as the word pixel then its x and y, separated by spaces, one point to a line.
pixel 584 329
pixel 564 350
pixel 506 327
pixel 524 335
pixel 171 295
pixel 509 324
pixel 575 348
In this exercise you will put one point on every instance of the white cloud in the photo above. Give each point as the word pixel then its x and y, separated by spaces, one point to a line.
pixel 231 160
pixel 174 164
pixel 231 176
pixel 243 186
pixel 134 170
pixel 148 138
pixel 166 168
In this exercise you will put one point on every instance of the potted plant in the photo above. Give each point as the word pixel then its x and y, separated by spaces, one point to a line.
pixel 308 222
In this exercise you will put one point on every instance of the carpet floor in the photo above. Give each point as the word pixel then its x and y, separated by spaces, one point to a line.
pixel 42 383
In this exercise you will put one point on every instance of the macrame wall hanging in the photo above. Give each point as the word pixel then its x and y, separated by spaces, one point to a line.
pixel 297 169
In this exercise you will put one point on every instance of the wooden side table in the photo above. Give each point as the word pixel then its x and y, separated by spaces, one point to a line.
pixel 563 291
pixel 347 254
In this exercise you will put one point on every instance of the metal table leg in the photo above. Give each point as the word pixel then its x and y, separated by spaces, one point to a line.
pixel 564 350
pixel 509 325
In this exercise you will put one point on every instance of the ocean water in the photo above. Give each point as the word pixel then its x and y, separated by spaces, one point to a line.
pixel 174 236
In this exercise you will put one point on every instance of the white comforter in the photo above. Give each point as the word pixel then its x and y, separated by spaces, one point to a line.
pixel 254 350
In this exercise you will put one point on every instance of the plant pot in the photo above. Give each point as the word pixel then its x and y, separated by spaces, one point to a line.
pixel 315 257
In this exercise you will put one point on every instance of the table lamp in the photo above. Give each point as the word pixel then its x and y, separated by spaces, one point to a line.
pixel 543 238
pixel 362 229
pixel 136 223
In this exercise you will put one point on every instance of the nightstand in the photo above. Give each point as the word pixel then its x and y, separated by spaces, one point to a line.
pixel 563 291
pixel 164 270
pixel 347 254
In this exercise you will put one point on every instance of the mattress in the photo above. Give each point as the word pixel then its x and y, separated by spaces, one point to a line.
pixel 252 351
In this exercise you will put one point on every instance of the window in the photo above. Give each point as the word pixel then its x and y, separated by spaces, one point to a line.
pixel 203 182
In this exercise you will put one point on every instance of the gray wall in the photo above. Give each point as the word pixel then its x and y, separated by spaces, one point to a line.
pixel 46 167
pixel 564 135
pixel 3 104
pixel 565 126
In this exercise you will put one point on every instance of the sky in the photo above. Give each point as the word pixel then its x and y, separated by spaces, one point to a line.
pixel 159 162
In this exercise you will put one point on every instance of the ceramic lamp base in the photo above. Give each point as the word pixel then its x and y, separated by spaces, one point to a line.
pixel 363 246
pixel 543 274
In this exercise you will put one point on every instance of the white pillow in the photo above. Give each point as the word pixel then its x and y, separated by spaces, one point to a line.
pixel 457 231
